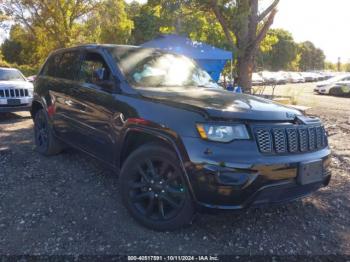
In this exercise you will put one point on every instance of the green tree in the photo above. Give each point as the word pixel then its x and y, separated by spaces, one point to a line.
pixel 146 24
pixel 19 48
pixel 330 66
pixel 11 51
pixel 281 54
pixel 114 26
pixel 52 24
pixel 311 58
pixel 183 17
pixel 244 26
pixel 108 23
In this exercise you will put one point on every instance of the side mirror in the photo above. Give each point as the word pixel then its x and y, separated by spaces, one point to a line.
pixel 109 85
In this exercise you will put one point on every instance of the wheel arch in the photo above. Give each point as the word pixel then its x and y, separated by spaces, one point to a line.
pixel 135 137
pixel 36 106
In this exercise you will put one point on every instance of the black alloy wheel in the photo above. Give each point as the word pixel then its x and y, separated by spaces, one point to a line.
pixel 157 190
pixel 154 189
pixel 41 131
pixel 46 143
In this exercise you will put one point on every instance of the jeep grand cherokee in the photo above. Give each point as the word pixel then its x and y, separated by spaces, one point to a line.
pixel 16 92
pixel 178 141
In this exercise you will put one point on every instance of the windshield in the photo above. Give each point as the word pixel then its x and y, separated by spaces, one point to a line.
pixel 10 75
pixel 152 68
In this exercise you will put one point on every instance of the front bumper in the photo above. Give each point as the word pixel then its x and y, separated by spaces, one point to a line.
pixel 9 109
pixel 236 176
pixel 26 103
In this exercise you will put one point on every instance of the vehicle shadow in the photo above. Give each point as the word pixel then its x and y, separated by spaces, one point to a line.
pixel 14 117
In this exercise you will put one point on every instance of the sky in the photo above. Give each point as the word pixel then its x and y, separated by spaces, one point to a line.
pixel 323 22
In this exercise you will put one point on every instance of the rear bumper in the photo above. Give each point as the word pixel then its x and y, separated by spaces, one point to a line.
pixel 235 176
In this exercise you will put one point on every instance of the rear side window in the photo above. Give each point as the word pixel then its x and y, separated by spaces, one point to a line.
pixel 69 66
pixel 51 65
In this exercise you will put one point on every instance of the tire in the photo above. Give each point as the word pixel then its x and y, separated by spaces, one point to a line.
pixel 334 92
pixel 45 141
pixel 154 189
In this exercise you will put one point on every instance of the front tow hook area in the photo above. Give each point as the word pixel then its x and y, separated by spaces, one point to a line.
pixel 236 178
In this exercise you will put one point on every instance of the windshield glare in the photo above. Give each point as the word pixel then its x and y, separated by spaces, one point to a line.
pixel 10 75
pixel 151 68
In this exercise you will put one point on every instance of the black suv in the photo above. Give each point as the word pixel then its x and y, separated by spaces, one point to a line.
pixel 177 140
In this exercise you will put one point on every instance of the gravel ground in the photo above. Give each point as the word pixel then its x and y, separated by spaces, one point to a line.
pixel 69 204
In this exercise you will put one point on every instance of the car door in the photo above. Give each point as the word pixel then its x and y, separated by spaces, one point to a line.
pixel 96 107
pixel 62 83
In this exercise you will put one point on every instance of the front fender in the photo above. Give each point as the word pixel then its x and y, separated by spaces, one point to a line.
pixel 167 136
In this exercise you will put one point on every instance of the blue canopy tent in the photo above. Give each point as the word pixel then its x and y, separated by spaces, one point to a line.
pixel 210 58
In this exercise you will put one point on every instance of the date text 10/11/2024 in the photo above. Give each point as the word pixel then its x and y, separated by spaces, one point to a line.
pixel 173 258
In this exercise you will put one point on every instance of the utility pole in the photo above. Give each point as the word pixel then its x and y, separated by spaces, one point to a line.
pixel 338 64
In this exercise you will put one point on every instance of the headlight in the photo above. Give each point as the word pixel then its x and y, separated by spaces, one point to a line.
pixel 221 133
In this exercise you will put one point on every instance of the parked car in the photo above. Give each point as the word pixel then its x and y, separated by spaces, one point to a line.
pixel 309 77
pixel 257 79
pixel 341 88
pixel 280 79
pixel 325 86
pixel 327 75
pixel 273 78
pixel 268 77
pixel 179 143
pixel 318 76
pixel 16 93
pixel 294 77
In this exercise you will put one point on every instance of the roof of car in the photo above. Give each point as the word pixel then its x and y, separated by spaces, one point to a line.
pixel 94 46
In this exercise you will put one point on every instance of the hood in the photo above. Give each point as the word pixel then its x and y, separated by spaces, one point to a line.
pixel 218 103
pixel 15 85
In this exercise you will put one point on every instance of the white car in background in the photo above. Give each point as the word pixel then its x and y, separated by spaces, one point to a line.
pixel 257 79
pixel 341 88
pixel 294 77
pixel 310 77
pixel 273 78
pixel 333 83
pixel 16 92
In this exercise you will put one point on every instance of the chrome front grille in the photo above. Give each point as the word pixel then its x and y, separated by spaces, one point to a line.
pixel 290 139
pixel 14 93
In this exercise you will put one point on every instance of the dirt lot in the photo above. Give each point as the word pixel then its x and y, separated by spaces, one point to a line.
pixel 69 204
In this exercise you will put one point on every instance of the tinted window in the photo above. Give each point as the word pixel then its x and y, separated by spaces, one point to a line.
pixel 94 69
pixel 51 65
pixel 68 66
